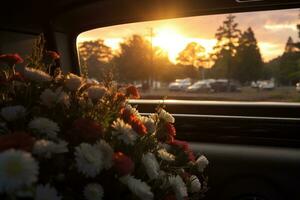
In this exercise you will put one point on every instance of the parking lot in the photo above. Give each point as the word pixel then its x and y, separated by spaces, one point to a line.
pixel 279 94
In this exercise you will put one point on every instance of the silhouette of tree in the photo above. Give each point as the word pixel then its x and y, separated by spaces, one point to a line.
pixel 290 46
pixel 289 67
pixel 96 56
pixel 248 62
pixel 134 60
pixel 227 36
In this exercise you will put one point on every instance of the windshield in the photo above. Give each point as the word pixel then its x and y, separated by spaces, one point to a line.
pixel 253 56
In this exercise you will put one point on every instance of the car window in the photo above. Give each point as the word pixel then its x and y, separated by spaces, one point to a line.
pixel 251 56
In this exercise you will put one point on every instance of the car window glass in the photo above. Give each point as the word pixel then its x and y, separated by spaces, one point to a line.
pixel 253 56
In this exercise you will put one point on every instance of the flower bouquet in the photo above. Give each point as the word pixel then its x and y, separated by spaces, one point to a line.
pixel 63 136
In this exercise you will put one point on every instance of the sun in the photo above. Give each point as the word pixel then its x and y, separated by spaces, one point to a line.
pixel 170 41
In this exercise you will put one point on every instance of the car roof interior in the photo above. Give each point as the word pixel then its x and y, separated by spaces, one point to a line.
pixel 88 14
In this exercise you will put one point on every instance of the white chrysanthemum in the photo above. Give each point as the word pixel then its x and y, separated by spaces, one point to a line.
pixel 46 192
pixel 163 154
pixel 89 159
pixel 150 163
pixel 195 185
pixel 137 187
pixel 124 132
pixel 44 126
pixel 166 116
pixel 36 75
pixel 50 98
pixel 46 148
pixel 149 123
pixel 132 110
pixel 93 191
pixel 201 163
pixel 12 113
pixel 107 153
pixel 73 82
pixel 178 187
pixel 96 92
pixel 17 169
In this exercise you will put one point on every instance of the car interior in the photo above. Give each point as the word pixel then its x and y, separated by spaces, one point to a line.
pixel 253 147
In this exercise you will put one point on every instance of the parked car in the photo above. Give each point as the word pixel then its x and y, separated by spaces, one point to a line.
pixel 267 85
pixel 298 87
pixel 201 86
pixel 222 85
pixel 263 84
pixel 180 84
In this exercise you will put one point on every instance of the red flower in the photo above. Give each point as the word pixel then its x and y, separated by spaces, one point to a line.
pixel 53 55
pixel 132 92
pixel 171 130
pixel 170 197
pixel 16 140
pixel 180 144
pixel 184 146
pixel 123 164
pixel 17 77
pixel 84 130
pixel 11 59
pixel 166 133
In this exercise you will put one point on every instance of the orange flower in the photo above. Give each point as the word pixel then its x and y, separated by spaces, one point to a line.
pixel 16 140
pixel 135 122
pixel 132 92
pixel 137 125
pixel 11 59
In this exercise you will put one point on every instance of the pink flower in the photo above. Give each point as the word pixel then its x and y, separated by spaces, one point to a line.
pixel 122 164
pixel 11 59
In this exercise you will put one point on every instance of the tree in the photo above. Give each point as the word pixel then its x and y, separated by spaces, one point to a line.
pixel 227 36
pixel 96 56
pixel 290 46
pixel 289 68
pixel 193 55
pixel 134 61
pixel 248 62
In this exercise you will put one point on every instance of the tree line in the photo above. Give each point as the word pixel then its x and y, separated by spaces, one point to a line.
pixel 236 56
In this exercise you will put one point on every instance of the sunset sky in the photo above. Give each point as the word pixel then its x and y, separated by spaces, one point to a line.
pixel 271 28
